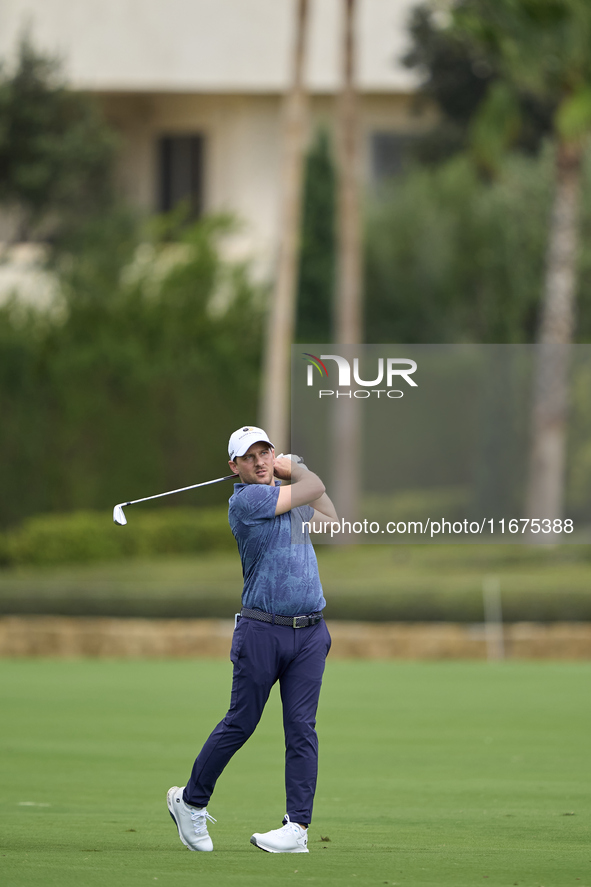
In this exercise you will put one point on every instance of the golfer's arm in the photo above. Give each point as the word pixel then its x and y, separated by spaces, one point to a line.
pixel 323 508
pixel 305 488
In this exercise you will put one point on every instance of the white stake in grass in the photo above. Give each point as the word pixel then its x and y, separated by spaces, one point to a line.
pixel 493 618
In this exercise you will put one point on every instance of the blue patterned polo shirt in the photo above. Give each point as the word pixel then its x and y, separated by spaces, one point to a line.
pixel 280 576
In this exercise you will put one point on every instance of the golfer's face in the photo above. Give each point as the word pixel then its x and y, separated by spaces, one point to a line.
pixel 256 466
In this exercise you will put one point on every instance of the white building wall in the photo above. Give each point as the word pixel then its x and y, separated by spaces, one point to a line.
pixel 207 45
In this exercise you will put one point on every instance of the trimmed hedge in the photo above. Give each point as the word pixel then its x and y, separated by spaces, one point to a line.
pixel 91 536
pixel 366 585
pixel 372 583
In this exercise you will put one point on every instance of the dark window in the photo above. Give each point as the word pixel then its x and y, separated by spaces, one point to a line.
pixel 389 152
pixel 181 173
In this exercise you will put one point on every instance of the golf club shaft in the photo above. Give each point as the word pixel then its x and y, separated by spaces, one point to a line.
pixel 181 490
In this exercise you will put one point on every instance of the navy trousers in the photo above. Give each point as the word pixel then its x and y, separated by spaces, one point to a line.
pixel 263 654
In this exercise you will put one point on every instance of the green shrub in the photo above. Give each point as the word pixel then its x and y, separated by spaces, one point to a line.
pixel 185 531
pixel 90 536
pixel 108 397
pixel 452 258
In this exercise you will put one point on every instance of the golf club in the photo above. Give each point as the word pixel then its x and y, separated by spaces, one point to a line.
pixel 121 520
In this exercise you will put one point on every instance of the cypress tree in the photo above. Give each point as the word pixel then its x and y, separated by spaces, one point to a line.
pixel 317 251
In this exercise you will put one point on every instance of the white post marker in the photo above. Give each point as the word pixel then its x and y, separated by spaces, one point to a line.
pixel 121 520
pixel 493 618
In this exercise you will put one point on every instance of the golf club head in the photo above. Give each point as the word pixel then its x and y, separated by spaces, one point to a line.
pixel 118 516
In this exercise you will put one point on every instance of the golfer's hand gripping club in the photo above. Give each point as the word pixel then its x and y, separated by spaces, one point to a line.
pixel 283 470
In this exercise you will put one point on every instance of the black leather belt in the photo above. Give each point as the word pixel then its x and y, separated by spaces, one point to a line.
pixel 293 621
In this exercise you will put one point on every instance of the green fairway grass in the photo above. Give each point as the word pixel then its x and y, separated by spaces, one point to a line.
pixel 430 774
pixel 371 582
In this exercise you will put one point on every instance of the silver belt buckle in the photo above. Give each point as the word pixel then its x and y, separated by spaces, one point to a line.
pixel 295 619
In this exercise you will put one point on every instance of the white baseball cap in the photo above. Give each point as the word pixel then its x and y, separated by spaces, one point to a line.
pixel 244 438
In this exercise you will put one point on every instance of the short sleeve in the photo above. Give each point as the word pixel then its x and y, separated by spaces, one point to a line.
pixel 306 512
pixel 255 503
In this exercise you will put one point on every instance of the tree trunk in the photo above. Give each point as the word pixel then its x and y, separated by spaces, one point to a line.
pixel 348 294
pixel 347 422
pixel 275 402
pixel 545 491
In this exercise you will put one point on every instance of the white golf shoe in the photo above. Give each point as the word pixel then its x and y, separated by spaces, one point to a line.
pixel 291 838
pixel 190 821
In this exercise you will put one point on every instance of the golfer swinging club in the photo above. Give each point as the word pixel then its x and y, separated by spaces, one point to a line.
pixel 280 635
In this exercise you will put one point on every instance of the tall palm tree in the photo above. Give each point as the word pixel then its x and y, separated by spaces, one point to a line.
pixel 348 294
pixel 348 325
pixel 543 47
pixel 275 409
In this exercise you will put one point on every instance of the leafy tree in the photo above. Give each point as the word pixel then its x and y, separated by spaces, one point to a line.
pixel 451 257
pixel 56 151
pixel 456 78
pixel 149 356
pixel 135 379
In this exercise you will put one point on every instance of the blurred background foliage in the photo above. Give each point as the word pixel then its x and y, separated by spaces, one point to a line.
pixel 450 255
pixel 317 265
pixel 56 152
pixel 148 358
pixel 454 257
pixel 149 353
pixel 456 79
